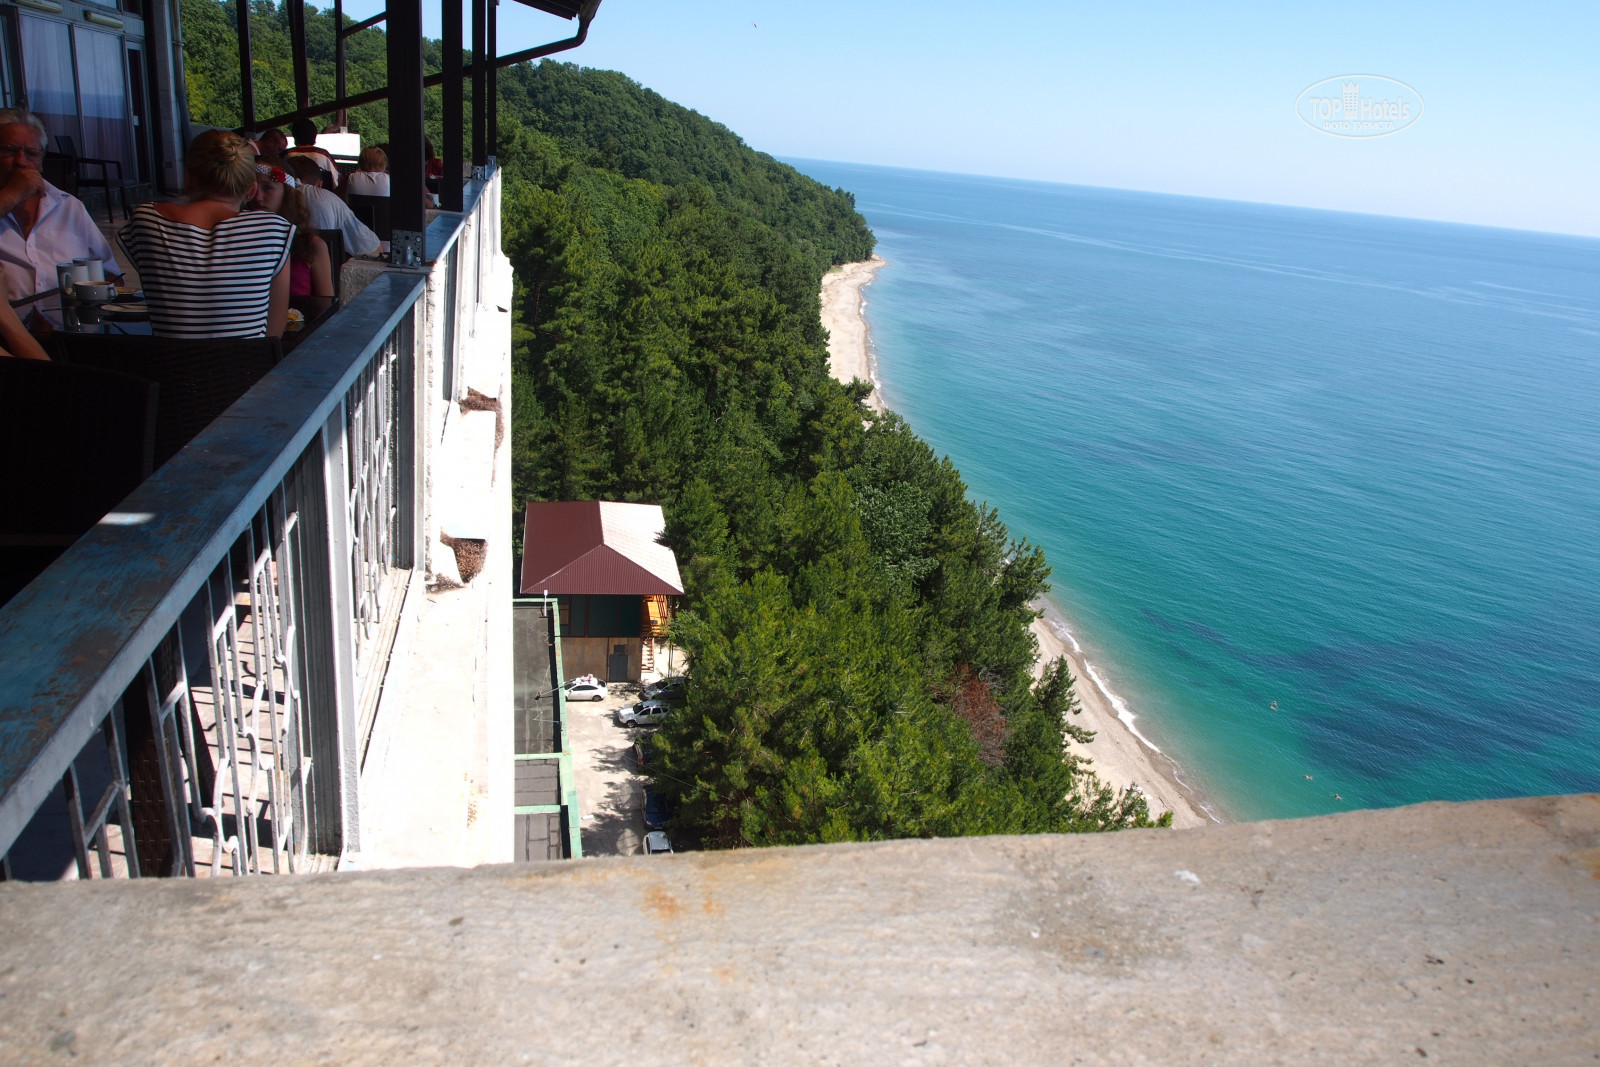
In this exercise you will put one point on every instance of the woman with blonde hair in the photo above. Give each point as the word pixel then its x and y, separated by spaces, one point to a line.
pixel 372 179
pixel 208 268
pixel 310 270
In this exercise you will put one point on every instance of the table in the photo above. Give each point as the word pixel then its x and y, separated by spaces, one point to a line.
pixel 91 320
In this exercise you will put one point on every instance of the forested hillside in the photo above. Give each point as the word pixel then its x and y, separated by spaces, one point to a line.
pixel 858 628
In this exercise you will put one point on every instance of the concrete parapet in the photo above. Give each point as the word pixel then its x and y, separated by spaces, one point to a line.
pixel 1459 933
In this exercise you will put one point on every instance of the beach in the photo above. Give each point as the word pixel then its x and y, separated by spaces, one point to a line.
pixel 849 345
pixel 1120 758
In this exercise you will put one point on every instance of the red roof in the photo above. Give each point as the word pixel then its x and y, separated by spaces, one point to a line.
pixel 597 547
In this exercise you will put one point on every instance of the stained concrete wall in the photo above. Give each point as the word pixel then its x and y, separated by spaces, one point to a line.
pixel 1451 933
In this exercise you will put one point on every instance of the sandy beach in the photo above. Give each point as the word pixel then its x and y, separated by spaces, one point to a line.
pixel 1120 758
pixel 849 346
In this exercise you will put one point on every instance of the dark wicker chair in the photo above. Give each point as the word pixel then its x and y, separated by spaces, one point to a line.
pixel 199 378
pixel 373 211
pixel 101 179
pixel 76 441
pixel 336 256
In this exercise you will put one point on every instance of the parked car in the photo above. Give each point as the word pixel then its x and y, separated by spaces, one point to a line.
pixel 641 750
pixel 656 810
pixel 673 690
pixel 656 842
pixel 586 689
pixel 644 713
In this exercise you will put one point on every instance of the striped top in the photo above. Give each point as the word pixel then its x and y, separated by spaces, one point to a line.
pixel 207 283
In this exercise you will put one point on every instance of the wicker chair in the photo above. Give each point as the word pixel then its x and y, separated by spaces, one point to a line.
pixel 76 441
pixel 199 378
pixel 373 211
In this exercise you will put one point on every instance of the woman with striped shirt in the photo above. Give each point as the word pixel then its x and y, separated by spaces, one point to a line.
pixel 208 269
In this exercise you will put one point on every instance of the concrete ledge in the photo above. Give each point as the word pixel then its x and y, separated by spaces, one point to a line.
pixel 1459 933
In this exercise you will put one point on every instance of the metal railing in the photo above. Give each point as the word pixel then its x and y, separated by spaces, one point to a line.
pixel 227 630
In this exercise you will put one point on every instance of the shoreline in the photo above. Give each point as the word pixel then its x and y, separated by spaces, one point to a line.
pixel 1120 756
pixel 849 338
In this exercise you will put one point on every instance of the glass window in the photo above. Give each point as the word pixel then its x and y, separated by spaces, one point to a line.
pixel 102 91
pixel 47 63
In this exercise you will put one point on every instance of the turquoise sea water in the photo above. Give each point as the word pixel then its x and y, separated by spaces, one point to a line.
pixel 1346 463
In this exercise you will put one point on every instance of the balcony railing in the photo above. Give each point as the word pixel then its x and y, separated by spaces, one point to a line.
pixel 226 631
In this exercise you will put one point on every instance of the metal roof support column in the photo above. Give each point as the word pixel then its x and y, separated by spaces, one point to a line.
pixel 480 86
pixel 338 61
pixel 296 10
pixel 492 95
pixel 406 164
pixel 247 88
pixel 450 181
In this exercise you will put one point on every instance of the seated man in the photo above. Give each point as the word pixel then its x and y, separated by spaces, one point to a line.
pixel 40 226
pixel 271 145
pixel 328 212
pixel 305 145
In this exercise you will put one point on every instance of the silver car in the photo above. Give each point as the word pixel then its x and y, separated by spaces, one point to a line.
pixel 644 713
pixel 656 843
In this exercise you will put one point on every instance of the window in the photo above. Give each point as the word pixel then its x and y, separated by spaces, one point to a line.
pixel 102 90
pixel 47 57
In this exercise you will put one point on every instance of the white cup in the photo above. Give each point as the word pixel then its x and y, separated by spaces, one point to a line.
pixel 80 271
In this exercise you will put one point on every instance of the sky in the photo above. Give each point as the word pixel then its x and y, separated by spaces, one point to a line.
pixel 1188 98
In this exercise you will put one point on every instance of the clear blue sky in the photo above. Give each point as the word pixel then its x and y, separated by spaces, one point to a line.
pixel 1174 97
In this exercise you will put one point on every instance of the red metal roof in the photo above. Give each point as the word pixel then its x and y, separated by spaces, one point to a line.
pixel 597 547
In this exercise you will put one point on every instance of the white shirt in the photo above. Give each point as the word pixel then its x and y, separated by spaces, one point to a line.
pixel 367 183
pixel 328 212
pixel 62 233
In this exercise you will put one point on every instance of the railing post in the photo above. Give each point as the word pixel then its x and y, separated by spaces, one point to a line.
pixel 341 605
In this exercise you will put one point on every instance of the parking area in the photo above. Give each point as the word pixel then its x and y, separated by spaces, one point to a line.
pixel 610 791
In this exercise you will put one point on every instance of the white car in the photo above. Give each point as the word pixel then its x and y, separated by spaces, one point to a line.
pixel 584 689
pixel 656 842
pixel 644 713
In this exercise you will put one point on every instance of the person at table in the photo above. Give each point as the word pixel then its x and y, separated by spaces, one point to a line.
pixel 15 338
pixel 328 212
pixel 271 145
pixel 40 226
pixel 310 271
pixel 210 269
pixel 372 177
pixel 305 144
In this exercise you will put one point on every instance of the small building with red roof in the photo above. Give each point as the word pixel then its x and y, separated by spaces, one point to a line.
pixel 605 564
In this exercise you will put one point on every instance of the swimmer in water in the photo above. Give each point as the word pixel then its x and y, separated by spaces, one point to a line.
pixel 1274 705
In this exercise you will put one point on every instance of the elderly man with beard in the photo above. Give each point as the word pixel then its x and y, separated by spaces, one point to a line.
pixel 40 226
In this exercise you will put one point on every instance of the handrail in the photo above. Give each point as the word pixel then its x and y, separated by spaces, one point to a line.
pixel 74 638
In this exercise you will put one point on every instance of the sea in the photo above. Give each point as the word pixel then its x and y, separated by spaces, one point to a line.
pixel 1321 491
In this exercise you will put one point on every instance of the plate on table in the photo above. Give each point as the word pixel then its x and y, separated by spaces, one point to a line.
pixel 126 309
